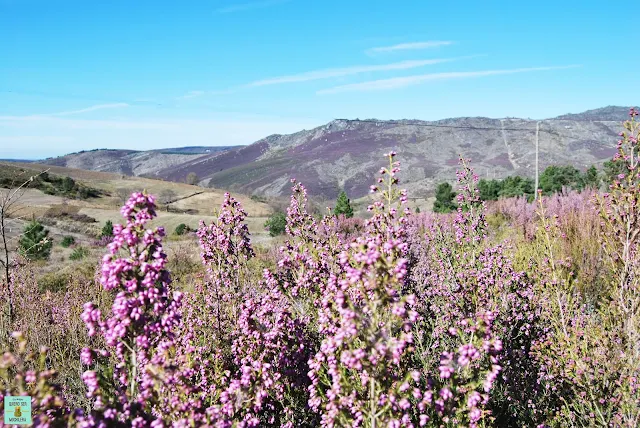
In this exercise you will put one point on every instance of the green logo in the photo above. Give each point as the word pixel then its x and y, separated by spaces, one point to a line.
pixel 17 410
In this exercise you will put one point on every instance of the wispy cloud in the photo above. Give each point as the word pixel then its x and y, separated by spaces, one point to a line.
pixel 241 7
pixel 88 109
pixel 191 94
pixel 403 82
pixel 409 46
pixel 145 100
pixel 349 71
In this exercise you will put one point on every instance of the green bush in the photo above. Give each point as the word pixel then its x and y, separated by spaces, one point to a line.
pixel 181 229
pixel 68 184
pixel 276 224
pixel 107 230
pixel 68 241
pixel 79 253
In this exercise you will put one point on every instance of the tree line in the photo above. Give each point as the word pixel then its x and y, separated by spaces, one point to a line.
pixel 553 179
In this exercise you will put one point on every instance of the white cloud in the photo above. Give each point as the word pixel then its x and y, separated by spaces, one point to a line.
pixel 348 71
pixel 191 94
pixel 88 109
pixel 403 82
pixel 409 46
pixel 241 7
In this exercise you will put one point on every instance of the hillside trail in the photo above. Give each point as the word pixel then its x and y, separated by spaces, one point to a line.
pixel 185 197
pixel 511 156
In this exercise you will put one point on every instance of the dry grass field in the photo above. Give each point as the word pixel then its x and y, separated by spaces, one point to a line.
pixel 199 203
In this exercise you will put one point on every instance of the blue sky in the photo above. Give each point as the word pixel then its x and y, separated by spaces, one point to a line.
pixel 143 74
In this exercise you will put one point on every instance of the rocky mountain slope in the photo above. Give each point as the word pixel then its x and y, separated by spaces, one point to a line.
pixel 346 154
pixel 133 162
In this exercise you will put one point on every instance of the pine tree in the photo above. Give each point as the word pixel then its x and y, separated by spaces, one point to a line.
pixel 35 243
pixel 444 199
pixel 343 205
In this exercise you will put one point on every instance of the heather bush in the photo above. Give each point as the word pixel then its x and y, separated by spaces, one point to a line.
pixel 348 228
pixel 588 361
pixel 458 276
pixel 141 327
pixel 24 372
pixel 226 247
pixel 46 310
pixel 54 281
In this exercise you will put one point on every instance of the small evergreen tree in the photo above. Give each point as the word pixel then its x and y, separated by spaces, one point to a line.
pixel 343 205
pixel 107 230
pixel 34 243
pixel 444 199
pixel 276 224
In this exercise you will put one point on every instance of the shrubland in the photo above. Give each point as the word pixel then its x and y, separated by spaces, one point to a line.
pixel 507 313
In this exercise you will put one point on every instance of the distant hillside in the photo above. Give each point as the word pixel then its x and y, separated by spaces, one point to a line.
pixel 133 162
pixel 14 175
pixel 195 150
pixel 605 113
pixel 346 154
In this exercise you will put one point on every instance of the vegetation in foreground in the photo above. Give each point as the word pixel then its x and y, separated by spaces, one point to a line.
pixel 510 315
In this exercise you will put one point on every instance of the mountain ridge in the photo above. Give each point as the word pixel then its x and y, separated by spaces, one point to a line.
pixel 346 153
